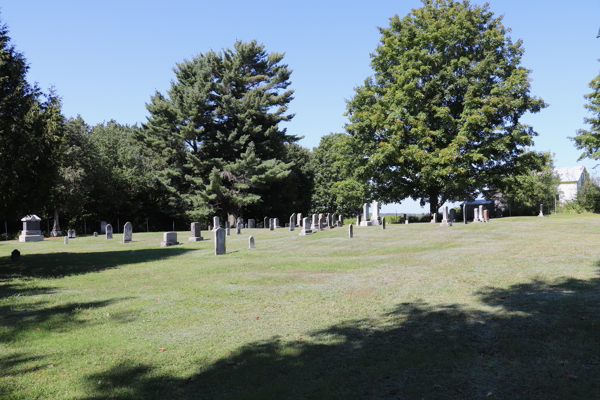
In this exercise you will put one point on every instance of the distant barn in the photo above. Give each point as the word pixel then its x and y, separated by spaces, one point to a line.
pixel 571 180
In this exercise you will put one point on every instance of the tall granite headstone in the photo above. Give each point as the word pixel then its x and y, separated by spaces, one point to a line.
pixel 108 231
pixel 127 233
pixel 219 238
pixel 350 231
pixel 306 227
pixel 251 224
pixel 196 233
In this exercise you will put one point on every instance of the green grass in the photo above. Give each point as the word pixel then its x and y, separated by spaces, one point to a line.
pixel 507 309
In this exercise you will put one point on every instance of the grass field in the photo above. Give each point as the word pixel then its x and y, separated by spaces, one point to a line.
pixel 503 310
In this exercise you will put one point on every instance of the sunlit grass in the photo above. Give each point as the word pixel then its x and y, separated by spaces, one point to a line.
pixel 413 311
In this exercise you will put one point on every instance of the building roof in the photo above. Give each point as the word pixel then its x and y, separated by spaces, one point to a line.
pixel 477 202
pixel 570 174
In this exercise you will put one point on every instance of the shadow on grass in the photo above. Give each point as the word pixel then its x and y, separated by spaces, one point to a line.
pixel 537 341
pixel 62 264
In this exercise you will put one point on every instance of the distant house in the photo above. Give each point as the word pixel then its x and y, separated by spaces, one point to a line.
pixel 571 180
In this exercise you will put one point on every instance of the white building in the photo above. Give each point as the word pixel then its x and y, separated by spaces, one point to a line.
pixel 571 180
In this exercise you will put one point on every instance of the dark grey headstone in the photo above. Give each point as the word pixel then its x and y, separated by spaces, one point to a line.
pixel 350 231
pixel 15 255
pixel 219 237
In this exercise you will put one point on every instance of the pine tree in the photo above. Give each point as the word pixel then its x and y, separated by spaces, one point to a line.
pixel 31 133
pixel 217 131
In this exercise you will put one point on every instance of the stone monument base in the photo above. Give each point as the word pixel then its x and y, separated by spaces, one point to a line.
pixel 366 223
pixel 31 238
pixel 446 223
pixel 195 239
pixel 304 233
pixel 167 244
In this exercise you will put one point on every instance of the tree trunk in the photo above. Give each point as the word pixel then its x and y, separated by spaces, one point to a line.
pixel 56 228
pixel 433 203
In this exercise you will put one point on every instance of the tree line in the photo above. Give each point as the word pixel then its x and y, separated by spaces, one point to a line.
pixel 439 121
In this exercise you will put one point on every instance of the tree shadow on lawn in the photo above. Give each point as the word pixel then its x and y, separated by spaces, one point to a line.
pixel 539 340
pixel 57 265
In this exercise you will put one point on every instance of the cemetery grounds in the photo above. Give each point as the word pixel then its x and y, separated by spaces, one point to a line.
pixel 498 310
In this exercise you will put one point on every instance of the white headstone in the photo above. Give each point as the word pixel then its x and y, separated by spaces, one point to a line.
pixel 127 232
pixel 169 239
pixel 216 223
pixel 306 227
pixel 66 240
pixel 251 242
pixel 445 221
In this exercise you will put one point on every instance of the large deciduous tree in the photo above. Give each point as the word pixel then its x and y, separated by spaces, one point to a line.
pixel 218 128
pixel 589 140
pixel 439 120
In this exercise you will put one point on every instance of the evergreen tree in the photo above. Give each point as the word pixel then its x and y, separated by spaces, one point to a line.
pixel 439 121
pixel 589 140
pixel 31 132
pixel 219 129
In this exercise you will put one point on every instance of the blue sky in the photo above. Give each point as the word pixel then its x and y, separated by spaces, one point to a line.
pixel 107 58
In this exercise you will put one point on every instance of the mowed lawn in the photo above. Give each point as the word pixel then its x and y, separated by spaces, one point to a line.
pixel 503 310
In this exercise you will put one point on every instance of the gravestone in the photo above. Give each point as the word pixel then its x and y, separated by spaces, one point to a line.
pixel 406 222
pixel 31 229
pixel 169 239
pixel 375 218
pixel 365 217
pixel 66 240
pixel 251 243
pixel 219 237
pixel 445 221
pixel 246 226
pixel 276 222
pixel 196 233
pixel 266 223
pixel 209 227
pixel 475 216
pixel 292 222
pixel 465 219
pixel 334 220
pixel 314 225
pixel 358 220
pixel 71 234
pixel 109 231
pixel 486 215
pixel 251 224
pixel 95 234
pixel 383 223
pixel 227 228
pixel 103 227
pixel 480 214
pixel 434 219
pixel 240 220
pixel 15 255
pixel 322 224
pixel 541 214
pixel 452 215
pixel 216 223
pixel 271 224
pixel 299 220
pixel 127 233
pixel 350 231
pixel 238 228
pixel 340 221
pixel 306 227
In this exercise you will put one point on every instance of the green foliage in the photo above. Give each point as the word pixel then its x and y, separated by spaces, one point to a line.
pixel 337 185
pixel 439 121
pixel 588 196
pixel 589 140
pixel 526 191
pixel 31 133
pixel 218 129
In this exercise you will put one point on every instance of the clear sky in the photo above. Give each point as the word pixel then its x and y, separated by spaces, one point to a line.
pixel 106 58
